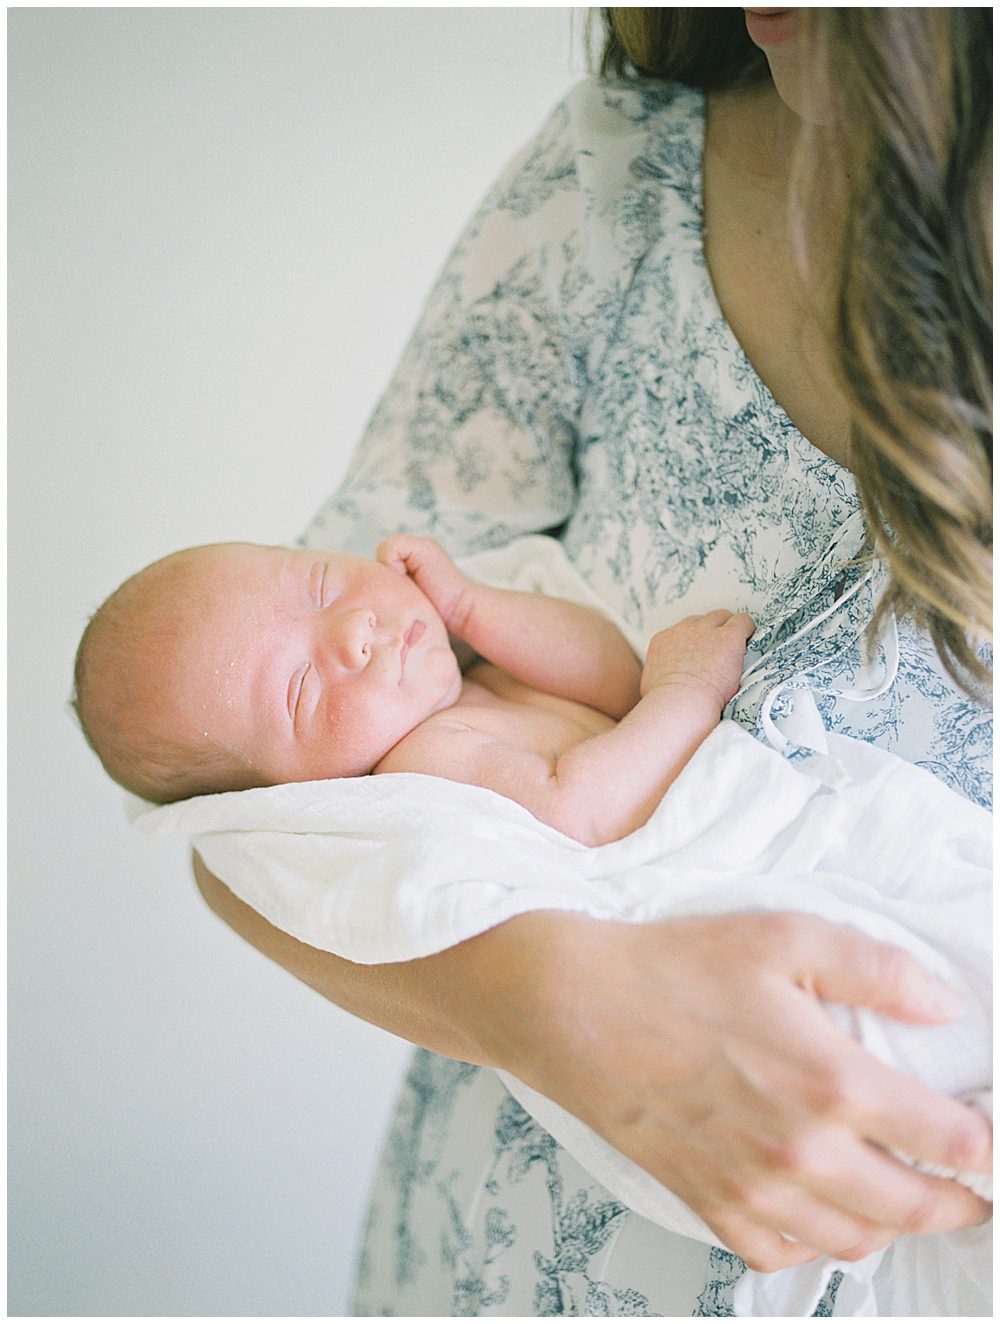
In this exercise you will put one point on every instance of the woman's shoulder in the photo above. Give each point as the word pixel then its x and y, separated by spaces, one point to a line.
pixel 605 117
pixel 600 120
pixel 605 142
pixel 591 190
pixel 633 100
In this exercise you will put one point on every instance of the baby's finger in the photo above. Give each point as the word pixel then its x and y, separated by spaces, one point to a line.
pixel 720 616
pixel 391 554
pixel 743 623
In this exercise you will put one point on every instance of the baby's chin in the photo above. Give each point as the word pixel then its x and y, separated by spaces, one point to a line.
pixel 452 694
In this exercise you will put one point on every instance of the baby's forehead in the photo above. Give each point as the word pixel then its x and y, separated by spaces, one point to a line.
pixel 195 575
pixel 234 553
pixel 215 572
pixel 216 560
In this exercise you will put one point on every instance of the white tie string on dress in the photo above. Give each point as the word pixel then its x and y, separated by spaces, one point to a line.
pixel 888 642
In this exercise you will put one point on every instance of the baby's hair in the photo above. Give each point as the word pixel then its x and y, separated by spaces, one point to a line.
pixel 118 693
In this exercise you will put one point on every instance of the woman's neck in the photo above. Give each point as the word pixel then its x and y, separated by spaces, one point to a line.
pixel 764 139
pixel 752 146
pixel 758 132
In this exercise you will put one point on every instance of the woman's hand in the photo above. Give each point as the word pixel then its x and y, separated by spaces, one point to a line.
pixel 698 1048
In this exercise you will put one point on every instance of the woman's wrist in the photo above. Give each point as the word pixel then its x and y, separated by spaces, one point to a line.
pixel 498 994
pixel 523 1010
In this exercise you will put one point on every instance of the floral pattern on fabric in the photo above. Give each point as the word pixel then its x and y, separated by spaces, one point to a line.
pixel 572 373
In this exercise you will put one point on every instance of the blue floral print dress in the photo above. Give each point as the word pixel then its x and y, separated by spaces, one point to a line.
pixel 572 372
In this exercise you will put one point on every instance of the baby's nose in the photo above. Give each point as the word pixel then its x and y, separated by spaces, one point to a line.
pixel 352 637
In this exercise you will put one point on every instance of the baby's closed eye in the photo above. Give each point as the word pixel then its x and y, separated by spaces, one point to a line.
pixel 295 688
pixel 320 586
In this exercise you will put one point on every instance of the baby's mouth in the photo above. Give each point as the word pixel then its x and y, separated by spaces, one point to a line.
pixel 413 636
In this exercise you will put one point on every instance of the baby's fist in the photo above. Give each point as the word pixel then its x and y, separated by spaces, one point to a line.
pixel 429 566
pixel 702 651
pixel 409 555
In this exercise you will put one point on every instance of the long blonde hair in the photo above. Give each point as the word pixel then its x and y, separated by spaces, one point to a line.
pixel 910 331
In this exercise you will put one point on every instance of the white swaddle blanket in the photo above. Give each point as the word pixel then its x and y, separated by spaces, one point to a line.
pixel 395 867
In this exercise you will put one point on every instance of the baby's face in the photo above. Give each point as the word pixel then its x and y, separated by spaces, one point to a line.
pixel 309 664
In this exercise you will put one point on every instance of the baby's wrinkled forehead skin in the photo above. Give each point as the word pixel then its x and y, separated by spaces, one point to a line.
pixel 185 593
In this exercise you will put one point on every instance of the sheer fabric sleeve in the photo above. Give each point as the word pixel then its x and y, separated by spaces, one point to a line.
pixel 473 439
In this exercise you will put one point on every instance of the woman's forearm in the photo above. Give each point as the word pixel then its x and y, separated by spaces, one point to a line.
pixel 429 1002
pixel 700 1049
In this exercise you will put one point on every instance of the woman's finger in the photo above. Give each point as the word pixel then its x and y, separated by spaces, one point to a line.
pixel 841 965
pixel 862 1178
pixel 762 1248
pixel 816 1223
pixel 880 1109
pixel 837 964
pixel 908 1118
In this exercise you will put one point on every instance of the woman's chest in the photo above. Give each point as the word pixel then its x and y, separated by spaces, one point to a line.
pixel 773 262
pixel 694 488
pixel 774 318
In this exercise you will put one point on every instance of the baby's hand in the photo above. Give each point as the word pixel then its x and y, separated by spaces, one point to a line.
pixel 702 651
pixel 432 570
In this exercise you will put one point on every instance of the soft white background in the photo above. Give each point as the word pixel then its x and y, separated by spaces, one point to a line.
pixel 223 224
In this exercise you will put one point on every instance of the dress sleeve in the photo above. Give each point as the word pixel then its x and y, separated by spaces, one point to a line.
pixel 473 440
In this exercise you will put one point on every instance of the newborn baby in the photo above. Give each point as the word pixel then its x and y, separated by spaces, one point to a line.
pixel 233 666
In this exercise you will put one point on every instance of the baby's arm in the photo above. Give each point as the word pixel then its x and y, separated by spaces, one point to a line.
pixel 605 787
pixel 547 643
pixel 692 670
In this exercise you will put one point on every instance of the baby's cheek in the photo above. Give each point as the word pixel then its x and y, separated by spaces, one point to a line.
pixel 448 681
pixel 441 663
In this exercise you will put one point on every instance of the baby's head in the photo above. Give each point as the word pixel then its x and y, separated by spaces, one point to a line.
pixel 224 667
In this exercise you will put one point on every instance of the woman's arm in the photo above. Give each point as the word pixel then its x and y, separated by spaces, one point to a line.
pixel 705 1056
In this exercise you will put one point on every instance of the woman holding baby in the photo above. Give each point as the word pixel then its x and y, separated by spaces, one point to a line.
pixel 724 324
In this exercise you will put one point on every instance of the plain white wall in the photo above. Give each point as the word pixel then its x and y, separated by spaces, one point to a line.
pixel 223 224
